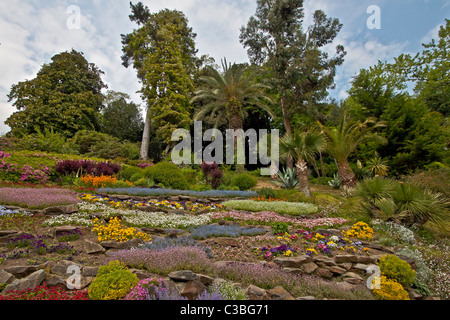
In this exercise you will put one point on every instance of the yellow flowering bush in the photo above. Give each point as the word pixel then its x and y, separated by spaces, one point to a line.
pixel 113 282
pixel 390 290
pixel 113 230
pixel 360 230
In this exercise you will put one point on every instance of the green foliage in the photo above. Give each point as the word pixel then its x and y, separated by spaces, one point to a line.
pixel 281 207
pixel 101 145
pixel 287 178
pixel 395 268
pixel 163 52
pixel 280 227
pixel 266 193
pixel 113 282
pixel 122 119
pixel 407 203
pixel 225 95
pixel 64 96
pixel 131 171
pixel 244 181
pixel 335 183
pixel 298 68
pixel 167 174
pixel 46 141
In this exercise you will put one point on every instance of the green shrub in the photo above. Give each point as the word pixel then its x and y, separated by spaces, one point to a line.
pixel 393 267
pixel 120 184
pixel 244 181
pixel 280 227
pixel 167 174
pixel 129 171
pixel 266 193
pixel 113 282
pixel 281 207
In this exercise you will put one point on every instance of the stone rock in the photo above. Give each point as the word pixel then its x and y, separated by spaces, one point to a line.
pixel 229 242
pixel 337 270
pixel 174 198
pixel 90 247
pixel 333 232
pixel 4 233
pixel 323 261
pixel 193 289
pixel 306 298
pixel 309 267
pixel 346 265
pixel 366 259
pixel 206 280
pixel 30 282
pixel 152 209
pixel 61 210
pixel 61 229
pixel 6 277
pixel 414 295
pixel 62 267
pixel 184 275
pixel 256 293
pixel 293 262
pixel 141 274
pixel 21 271
pixel 204 201
pixel 56 281
pixel 114 245
pixel 6 238
pixel 134 243
pixel 184 198
pixel 90 271
pixel 346 258
pixel 214 200
pixel 279 293
pixel 360 267
pixel 353 278
pixel 324 273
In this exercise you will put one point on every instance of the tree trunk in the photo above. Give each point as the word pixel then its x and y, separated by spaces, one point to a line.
pixel 346 175
pixel 287 127
pixel 236 123
pixel 145 137
pixel 302 174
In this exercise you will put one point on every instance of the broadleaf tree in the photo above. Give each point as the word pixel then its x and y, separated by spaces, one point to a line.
pixel 65 96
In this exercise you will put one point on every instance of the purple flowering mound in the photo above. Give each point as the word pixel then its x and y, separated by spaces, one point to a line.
pixel 37 198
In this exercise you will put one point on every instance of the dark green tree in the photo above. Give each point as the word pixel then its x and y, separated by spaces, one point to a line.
pixel 122 119
pixel 301 71
pixel 65 97
pixel 163 53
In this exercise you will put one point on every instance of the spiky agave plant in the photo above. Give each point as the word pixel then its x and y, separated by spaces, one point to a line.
pixel 287 178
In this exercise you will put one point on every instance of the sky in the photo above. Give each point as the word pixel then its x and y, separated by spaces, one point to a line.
pixel 32 31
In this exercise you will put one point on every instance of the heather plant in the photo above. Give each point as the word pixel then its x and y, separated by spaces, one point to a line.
pixel 261 275
pixel 165 260
pixel 140 290
pixel 228 290
pixel 37 198
pixel 208 231
pixel 43 292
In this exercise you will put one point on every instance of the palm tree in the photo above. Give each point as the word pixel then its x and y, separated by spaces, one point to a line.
pixel 302 147
pixel 343 139
pixel 229 92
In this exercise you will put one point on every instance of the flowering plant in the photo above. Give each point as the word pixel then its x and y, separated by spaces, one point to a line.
pixel 360 230
pixel 114 231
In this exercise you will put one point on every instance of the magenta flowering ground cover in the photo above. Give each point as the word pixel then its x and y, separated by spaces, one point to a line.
pixel 37 198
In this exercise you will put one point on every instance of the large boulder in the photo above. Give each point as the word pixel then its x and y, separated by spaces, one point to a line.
pixel 292 262
pixel 30 282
